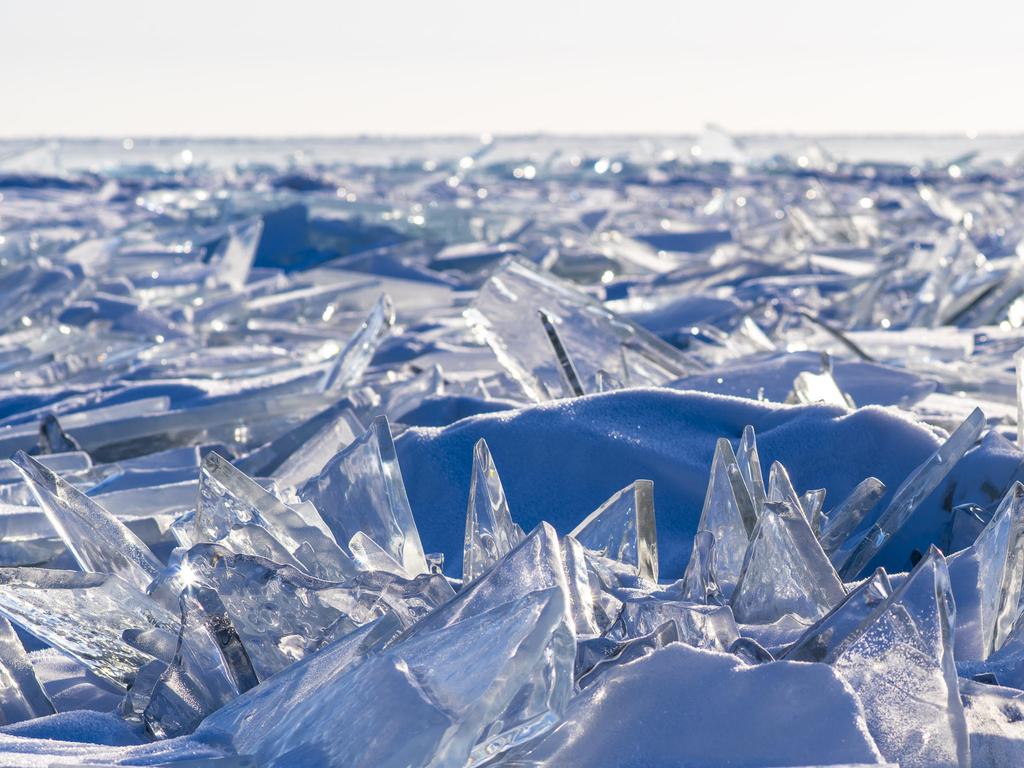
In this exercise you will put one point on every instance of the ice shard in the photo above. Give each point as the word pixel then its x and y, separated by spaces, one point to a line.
pixel 623 529
pixel 784 571
pixel 698 584
pixel 232 268
pixel 305 448
pixel 490 531
pixel 728 514
pixel 21 695
pixel 899 661
pixel 596 338
pixel 53 439
pixel 231 502
pixel 845 518
pixel 702 626
pixel 361 489
pixel 245 721
pixel 921 482
pixel 780 489
pixel 434 699
pixel 749 462
pixel 599 655
pixel 822 637
pixel 353 360
pixel 987 577
pixel 99 541
pixel 85 615
pixel 818 388
pixel 811 503
pixel 197 680
pixel 281 614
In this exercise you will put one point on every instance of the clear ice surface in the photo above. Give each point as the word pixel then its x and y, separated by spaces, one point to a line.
pixel 784 570
pixel 728 514
pixel 490 531
pixel 900 663
pixel 623 529
pixel 98 540
pixel 912 491
pixel 361 489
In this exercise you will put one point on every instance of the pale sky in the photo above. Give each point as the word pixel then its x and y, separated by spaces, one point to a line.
pixel 215 68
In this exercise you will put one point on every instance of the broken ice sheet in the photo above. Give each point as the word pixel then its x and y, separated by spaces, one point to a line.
pixel 98 540
pixel 594 337
pixel 280 613
pixel 431 698
pixel 229 500
pixel 749 462
pixel 353 360
pixel 987 577
pixel 698 584
pixel 824 636
pixel 728 514
pixel 784 571
pixel 232 266
pixel 85 615
pixel 198 679
pixel 598 655
pixel 623 529
pixel 780 489
pixel 361 489
pixel 21 695
pixel 912 491
pixel 490 531
pixel 899 661
pixel 845 518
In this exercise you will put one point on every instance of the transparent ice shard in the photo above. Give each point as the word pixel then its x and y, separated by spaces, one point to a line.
pixel 749 462
pixel 361 489
pixel 232 268
pixel 281 614
pixel 728 514
pixel 811 388
pixel 585 574
pixel 992 569
pixel 698 584
pixel 780 489
pixel 623 529
pixel 571 379
pixel 353 360
pixel 702 626
pixel 305 448
pixel 845 518
pixel 99 541
pixel 597 656
pixel 490 531
pixel 597 339
pixel 534 565
pixel 85 615
pixel 231 503
pixel 830 630
pixel 370 556
pixel 900 664
pixel 196 681
pixel 21 695
pixel 811 503
pixel 53 439
pixel 921 482
pixel 245 721
pixel 784 571
pixel 436 698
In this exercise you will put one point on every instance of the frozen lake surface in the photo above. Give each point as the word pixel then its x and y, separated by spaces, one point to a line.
pixel 515 451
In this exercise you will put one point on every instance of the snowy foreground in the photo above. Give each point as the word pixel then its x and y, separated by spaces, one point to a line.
pixel 476 454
